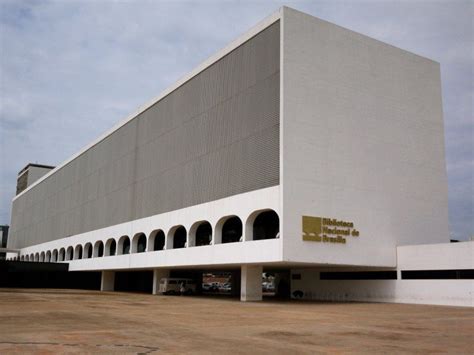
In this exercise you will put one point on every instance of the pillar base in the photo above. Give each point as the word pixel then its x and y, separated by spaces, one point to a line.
pixel 108 281
pixel 251 283
pixel 158 274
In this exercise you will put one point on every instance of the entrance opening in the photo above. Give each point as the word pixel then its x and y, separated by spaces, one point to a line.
pixel 135 281
pixel 210 282
pixel 277 284
pixel 232 230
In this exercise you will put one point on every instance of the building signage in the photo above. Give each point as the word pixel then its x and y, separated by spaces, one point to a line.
pixel 327 230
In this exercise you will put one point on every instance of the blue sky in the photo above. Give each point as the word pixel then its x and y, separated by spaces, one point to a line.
pixel 70 70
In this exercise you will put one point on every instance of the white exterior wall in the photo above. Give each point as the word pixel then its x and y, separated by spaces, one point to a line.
pixel 449 256
pixel 362 141
pixel 437 292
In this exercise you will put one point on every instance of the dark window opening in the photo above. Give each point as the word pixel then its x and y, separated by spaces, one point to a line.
pixel 438 274
pixel 179 238
pixel 100 251
pixel 203 234
pixel 113 247
pixel 126 246
pixel 79 252
pixel 266 226
pixel 232 230
pixel 141 243
pixel 359 275
pixel 159 243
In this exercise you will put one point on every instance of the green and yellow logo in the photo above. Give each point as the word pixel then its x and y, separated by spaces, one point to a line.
pixel 327 230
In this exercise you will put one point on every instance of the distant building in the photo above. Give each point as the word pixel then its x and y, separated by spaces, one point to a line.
pixel 301 148
pixel 3 240
pixel 29 174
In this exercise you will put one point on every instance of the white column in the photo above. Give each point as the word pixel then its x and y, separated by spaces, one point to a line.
pixel 251 283
pixel 158 274
pixel 108 281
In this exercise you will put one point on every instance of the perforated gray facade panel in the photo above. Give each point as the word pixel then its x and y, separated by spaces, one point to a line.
pixel 215 136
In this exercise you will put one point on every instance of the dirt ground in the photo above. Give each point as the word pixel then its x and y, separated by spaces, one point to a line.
pixel 72 321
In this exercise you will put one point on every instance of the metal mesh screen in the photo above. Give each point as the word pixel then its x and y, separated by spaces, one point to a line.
pixel 215 136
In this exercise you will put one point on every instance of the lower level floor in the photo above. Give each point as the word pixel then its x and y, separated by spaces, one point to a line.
pixel 255 282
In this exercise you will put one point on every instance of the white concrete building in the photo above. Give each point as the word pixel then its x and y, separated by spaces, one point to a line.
pixel 300 146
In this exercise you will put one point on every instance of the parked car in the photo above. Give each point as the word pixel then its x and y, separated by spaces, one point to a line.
pixel 268 287
pixel 211 287
pixel 206 286
pixel 226 287
pixel 177 286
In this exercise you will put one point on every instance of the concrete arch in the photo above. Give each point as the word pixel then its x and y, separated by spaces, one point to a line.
pixel 48 256
pixel 70 253
pixel 22 258
pixel 54 256
pixel 200 234
pixel 110 247
pixel 176 237
pixel 61 254
pixel 98 249
pixel 27 257
pixel 32 257
pixel 228 230
pixel 139 243
pixel 87 251
pixel 262 224
pixel 156 240
pixel 41 257
pixel 123 245
pixel 78 252
pixel 37 256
